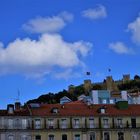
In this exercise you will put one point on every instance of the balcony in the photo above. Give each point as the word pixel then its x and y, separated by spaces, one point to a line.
pixel 72 126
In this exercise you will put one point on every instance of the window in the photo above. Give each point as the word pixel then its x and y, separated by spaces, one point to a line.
pixel 119 123
pixel 24 123
pixel 105 123
pixel 37 124
pixel 50 123
pixel 102 110
pixel 10 137
pixel 111 101
pixel 54 110
pixel 38 137
pixel 17 123
pixel 133 122
pixel 64 137
pixel 91 123
pixel 92 136
pixel 104 101
pixel 77 137
pixel 134 137
pixel 24 137
pixel 76 123
pixel 10 123
pixel 120 136
pixel 27 137
pixel 51 137
pixel 63 123
pixel 106 136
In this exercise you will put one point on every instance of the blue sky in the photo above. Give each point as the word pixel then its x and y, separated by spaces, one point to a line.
pixel 47 45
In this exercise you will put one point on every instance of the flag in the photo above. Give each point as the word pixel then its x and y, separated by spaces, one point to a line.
pixel 109 70
pixel 88 73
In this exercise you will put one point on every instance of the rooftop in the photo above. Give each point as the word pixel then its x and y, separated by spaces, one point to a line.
pixel 77 108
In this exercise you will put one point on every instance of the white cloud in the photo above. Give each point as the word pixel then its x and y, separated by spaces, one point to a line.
pixel 66 16
pixel 120 48
pixel 66 74
pixel 48 24
pixel 95 13
pixel 37 58
pixel 134 28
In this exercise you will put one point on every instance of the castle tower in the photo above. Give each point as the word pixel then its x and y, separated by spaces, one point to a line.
pixel 126 78
pixel 87 86
pixel 110 84
pixel 71 89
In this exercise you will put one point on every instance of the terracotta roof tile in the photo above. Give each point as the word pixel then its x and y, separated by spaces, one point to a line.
pixel 77 108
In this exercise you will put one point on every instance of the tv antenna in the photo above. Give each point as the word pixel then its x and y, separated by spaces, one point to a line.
pixel 18 96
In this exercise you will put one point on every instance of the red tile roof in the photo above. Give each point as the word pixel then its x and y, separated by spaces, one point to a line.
pixel 22 112
pixel 77 108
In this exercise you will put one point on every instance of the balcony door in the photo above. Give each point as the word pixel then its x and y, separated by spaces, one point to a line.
pixel 106 136
pixel 105 123
pixel 64 137
pixel 120 136
pixel 133 122
pixel 63 123
pixel 91 123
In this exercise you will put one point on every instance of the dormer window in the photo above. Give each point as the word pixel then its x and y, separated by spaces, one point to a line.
pixel 102 110
pixel 54 110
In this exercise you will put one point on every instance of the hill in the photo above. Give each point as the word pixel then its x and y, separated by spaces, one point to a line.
pixel 130 85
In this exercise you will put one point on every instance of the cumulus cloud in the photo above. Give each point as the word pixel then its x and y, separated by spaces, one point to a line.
pixel 48 24
pixel 66 74
pixel 120 48
pixel 95 13
pixel 134 28
pixel 37 58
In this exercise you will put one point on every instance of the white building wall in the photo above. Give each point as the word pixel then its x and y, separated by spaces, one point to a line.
pixel 95 97
pixel 124 95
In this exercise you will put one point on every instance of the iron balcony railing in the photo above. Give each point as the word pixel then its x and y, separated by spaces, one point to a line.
pixel 73 126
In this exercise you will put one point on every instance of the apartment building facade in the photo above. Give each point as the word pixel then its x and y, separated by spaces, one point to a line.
pixel 70 121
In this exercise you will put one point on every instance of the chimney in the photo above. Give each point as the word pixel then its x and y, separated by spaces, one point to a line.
pixel 10 108
pixel 17 106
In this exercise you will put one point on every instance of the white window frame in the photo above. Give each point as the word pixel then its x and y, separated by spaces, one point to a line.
pixel 37 123
pixel 105 123
pixel 76 123
pixel 10 123
pixel 63 123
pixel 50 123
pixel 91 123
pixel 24 123
pixel 119 122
